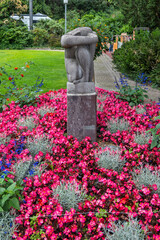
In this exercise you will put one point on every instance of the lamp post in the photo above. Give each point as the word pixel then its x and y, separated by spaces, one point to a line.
pixel 30 14
pixel 65 3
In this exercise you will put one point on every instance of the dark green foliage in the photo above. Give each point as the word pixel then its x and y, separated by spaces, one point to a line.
pixel 14 35
pixel 156 134
pixel 141 55
pixel 9 193
pixel 141 13
pixel 47 33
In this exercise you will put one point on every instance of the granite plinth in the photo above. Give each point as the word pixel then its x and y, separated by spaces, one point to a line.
pixel 82 87
pixel 81 115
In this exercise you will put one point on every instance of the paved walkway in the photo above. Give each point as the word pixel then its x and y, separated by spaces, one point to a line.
pixel 105 75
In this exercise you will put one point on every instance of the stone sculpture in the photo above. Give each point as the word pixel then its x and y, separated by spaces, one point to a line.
pixel 80 45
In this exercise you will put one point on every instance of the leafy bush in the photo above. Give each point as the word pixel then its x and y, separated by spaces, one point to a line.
pixel 147 178
pixel 142 138
pixel 9 193
pixel 69 195
pixel 7 225
pixel 48 32
pixel 130 230
pixel 140 55
pixel 111 160
pixel 40 37
pixel 14 35
pixel 118 124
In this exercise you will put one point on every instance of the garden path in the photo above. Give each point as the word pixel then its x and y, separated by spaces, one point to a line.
pixel 105 76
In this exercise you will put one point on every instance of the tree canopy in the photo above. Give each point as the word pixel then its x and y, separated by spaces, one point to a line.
pixel 141 13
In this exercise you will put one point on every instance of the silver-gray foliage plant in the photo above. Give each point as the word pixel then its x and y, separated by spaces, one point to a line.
pixel 4 139
pixel 142 138
pixel 43 110
pixel 22 169
pixel 118 124
pixel 7 226
pixel 27 122
pixel 69 195
pixel 140 110
pixel 146 177
pixel 111 160
pixel 37 144
pixel 125 231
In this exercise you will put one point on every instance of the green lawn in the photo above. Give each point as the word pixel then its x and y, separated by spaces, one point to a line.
pixel 48 65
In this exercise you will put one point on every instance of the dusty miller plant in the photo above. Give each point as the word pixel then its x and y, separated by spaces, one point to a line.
pixel 111 160
pixel 27 169
pixel 43 110
pixel 37 144
pixel 130 230
pixel 118 124
pixel 146 177
pixel 7 225
pixel 69 195
pixel 142 138
pixel 4 138
pixel 140 110
pixel 27 122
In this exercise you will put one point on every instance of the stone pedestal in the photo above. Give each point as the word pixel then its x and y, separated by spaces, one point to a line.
pixel 81 110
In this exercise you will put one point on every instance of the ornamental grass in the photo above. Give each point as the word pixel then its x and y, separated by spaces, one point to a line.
pixel 113 195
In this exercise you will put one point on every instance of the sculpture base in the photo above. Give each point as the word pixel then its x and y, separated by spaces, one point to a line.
pixel 81 115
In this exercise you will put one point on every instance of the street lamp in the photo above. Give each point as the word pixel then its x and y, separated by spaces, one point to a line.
pixel 65 3
pixel 30 14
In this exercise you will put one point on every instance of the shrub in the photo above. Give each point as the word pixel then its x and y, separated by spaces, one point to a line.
pixel 142 138
pixel 48 32
pixel 147 178
pixel 7 225
pixel 69 195
pixel 14 35
pixel 38 144
pixel 40 37
pixel 111 160
pixel 118 124
pixel 130 230
pixel 140 55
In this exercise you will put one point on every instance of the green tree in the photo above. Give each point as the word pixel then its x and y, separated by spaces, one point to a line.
pixel 9 7
pixel 141 13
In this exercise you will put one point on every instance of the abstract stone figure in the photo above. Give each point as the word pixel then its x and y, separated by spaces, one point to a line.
pixel 80 45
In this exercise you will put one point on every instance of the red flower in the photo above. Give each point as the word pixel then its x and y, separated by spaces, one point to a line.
pixel 22 75
pixel 0 74
pixel 7 99
pixel 27 66
pixel 16 68
pixel 9 78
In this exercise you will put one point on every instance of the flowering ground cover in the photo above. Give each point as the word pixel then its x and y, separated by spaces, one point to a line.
pixel 70 190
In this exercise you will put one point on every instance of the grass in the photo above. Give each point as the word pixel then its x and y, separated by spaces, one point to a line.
pixel 48 65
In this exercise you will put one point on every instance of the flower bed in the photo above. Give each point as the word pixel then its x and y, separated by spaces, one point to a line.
pixel 105 195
